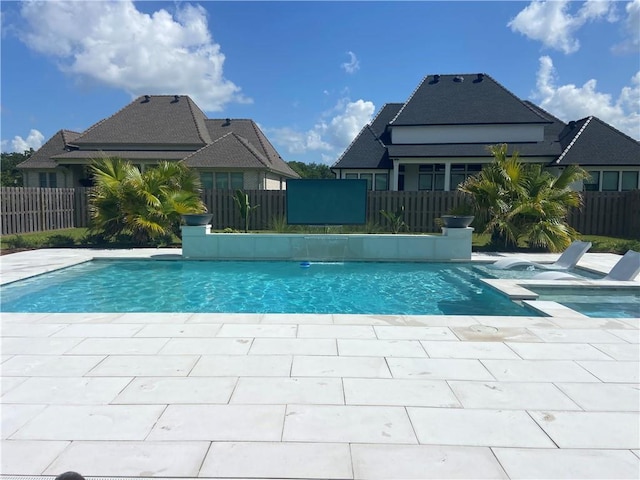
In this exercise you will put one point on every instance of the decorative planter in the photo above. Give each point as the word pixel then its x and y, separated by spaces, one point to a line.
pixel 457 221
pixel 197 219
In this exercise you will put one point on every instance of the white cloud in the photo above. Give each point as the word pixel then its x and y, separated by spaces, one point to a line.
pixel 550 22
pixel 631 27
pixel 353 65
pixel 331 135
pixel 18 144
pixel 113 43
pixel 571 102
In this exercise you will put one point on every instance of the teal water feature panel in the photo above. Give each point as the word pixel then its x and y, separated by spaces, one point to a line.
pixel 326 202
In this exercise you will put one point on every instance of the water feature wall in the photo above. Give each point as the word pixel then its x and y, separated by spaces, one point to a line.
pixel 199 243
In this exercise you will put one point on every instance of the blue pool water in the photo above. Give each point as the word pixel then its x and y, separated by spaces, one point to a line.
pixel 598 303
pixel 260 287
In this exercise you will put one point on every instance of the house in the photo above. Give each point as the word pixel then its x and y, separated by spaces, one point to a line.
pixel 227 153
pixel 439 137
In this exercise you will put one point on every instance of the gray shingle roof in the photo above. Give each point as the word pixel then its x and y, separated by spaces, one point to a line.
pixel 463 100
pixel 228 151
pixel 155 155
pixel 42 158
pixel 150 120
pixel 592 142
pixel 366 151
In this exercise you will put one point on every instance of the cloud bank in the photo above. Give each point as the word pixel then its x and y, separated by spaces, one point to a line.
pixel 34 140
pixel 571 102
pixel 114 44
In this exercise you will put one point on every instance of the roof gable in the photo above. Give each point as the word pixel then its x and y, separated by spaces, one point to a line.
pixel 366 151
pixel 590 141
pixel 464 100
pixel 230 150
pixel 54 146
pixel 150 120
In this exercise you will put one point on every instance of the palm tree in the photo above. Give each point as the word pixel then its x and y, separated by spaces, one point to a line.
pixel 144 207
pixel 521 201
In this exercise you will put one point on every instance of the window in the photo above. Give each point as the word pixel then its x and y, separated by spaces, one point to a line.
pixel 609 181
pixel 382 181
pixel 206 178
pixel 431 177
pixel 592 184
pixel 629 181
pixel 369 178
pixel 237 180
pixel 48 180
pixel 461 171
pixel 351 176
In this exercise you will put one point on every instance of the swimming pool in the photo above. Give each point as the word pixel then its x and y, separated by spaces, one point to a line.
pixel 260 287
pixel 599 303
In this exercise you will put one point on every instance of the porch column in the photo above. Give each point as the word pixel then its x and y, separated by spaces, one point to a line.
pixel 394 178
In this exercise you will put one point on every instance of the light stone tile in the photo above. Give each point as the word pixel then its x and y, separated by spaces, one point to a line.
pixel 414 333
pixel 50 365
pixel 576 335
pixel 405 320
pixel 538 371
pixel 88 317
pixel 278 460
pixel 179 331
pixel 324 423
pixel 631 336
pixel 297 318
pixel 511 396
pixel 364 367
pixel 613 372
pixel 133 459
pixel 183 390
pixel 427 393
pixel 93 330
pixel 336 331
pixel 145 366
pixel 381 348
pixel 91 422
pixel 486 333
pixel 260 423
pixel 37 346
pixel 9 383
pixel 258 331
pixel 67 390
pixel 557 351
pixel 119 346
pixel 598 323
pixel 620 351
pixel 636 453
pixel 28 457
pixel 422 462
pixel 518 322
pixel 225 318
pixel 608 397
pixel 590 429
pixel 470 350
pixel 207 346
pixel 293 346
pixel 29 329
pixel 242 366
pixel 274 390
pixel 148 317
pixel 4 358
pixel 12 417
pixel 22 318
pixel 477 428
pixel 567 464
pixel 438 369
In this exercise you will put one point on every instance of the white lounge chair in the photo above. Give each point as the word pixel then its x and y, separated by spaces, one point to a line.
pixel 625 269
pixel 566 261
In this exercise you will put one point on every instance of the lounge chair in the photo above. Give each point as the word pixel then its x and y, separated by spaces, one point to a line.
pixel 566 261
pixel 626 269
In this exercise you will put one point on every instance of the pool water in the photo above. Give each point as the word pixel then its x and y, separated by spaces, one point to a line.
pixel 597 303
pixel 260 287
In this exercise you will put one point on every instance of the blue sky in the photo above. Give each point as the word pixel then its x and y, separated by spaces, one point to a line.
pixel 311 74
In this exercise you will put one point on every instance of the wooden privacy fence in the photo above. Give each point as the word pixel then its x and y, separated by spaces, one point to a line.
pixel 25 210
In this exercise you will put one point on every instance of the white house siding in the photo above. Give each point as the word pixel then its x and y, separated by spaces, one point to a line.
pixel 488 134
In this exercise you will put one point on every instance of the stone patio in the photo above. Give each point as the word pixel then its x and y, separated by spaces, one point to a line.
pixel 316 396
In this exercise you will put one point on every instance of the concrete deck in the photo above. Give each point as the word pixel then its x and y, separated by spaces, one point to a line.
pixel 316 396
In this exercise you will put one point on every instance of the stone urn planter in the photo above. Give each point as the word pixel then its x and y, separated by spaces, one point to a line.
pixel 197 219
pixel 457 221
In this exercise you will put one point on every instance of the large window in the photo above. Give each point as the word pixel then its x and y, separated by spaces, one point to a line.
pixel 382 181
pixel 369 178
pixel 377 181
pixel 461 171
pixel 49 180
pixel 222 180
pixel 431 177
pixel 592 184
pixel 610 181
pixel 629 181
